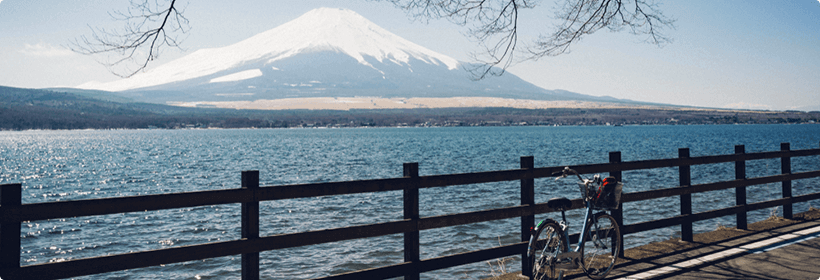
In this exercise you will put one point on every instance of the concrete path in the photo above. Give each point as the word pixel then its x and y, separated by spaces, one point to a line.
pixel 791 252
pixel 795 261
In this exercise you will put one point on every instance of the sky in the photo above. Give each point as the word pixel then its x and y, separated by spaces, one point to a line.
pixel 748 54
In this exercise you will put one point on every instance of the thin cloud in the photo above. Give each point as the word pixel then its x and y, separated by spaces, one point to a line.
pixel 45 50
pixel 748 106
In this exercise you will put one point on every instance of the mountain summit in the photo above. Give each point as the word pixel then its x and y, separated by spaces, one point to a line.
pixel 326 52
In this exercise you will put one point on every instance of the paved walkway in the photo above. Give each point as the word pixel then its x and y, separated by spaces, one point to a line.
pixel 791 252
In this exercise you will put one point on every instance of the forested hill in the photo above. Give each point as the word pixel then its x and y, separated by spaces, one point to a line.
pixel 44 109
pixel 23 109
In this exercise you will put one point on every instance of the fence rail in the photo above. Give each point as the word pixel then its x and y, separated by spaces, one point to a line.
pixel 13 212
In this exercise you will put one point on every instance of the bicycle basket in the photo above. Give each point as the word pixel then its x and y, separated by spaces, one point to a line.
pixel 605 198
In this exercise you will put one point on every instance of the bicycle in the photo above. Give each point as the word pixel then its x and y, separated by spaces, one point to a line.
pixel 599 242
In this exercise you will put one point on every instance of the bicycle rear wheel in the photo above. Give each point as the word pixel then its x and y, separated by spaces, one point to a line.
pixel 601 246
pixel 547 243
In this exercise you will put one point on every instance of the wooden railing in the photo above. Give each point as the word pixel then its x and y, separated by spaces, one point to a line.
pixel 12 213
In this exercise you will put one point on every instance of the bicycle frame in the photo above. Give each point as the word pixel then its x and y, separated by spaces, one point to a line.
pixel 565 227
pixel 587 219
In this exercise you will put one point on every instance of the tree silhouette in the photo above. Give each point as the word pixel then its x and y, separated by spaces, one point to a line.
pixel 149 27
pixel 494 24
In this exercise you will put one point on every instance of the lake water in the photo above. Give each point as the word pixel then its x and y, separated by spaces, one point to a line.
pixel 72 165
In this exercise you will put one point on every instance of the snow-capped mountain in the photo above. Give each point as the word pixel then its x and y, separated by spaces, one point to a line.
pixel 326 52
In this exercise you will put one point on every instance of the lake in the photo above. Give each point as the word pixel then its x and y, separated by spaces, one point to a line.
pixel 73 165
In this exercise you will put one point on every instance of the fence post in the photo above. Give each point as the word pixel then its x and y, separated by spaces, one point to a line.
pixel 685 199
pixel 10 196
pixel 528 221
pixel 411 211
pixel 250 225
pixel 786 168
pixel 618 214
pixel 740 192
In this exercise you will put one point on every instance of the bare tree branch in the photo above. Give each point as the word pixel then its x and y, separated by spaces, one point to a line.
pixel 149 27
pixel 494 25
pixel 584 17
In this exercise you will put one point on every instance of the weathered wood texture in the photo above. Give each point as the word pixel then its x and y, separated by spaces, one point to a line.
pixel 12 213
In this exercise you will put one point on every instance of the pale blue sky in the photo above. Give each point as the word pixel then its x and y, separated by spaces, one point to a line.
pixel 760 54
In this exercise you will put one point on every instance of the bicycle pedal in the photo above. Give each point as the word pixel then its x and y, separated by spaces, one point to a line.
pixel 569 255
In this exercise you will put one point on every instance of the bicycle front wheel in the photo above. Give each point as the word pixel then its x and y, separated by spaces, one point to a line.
pixel 601 246
pixel 547 243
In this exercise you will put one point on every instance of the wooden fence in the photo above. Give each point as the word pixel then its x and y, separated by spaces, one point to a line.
pixel 12 213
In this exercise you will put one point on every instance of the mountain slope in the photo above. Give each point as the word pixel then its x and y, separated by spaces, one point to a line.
pixel 323 53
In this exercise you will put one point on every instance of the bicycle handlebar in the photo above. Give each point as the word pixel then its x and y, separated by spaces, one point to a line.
pixel 566 171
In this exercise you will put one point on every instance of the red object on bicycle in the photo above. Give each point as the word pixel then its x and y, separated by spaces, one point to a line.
pixel 607 187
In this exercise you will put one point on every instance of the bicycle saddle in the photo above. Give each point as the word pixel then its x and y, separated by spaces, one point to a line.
pixel 560 203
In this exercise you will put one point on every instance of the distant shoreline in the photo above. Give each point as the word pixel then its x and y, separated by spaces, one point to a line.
pixel 350 103
pixel 371 127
